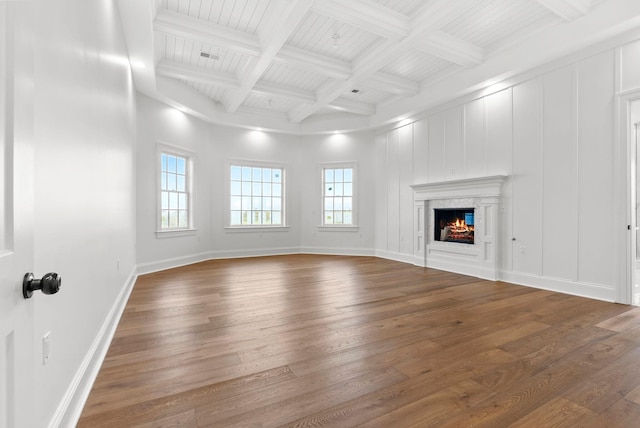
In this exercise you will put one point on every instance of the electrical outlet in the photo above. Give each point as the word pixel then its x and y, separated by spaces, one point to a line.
pixel 46 347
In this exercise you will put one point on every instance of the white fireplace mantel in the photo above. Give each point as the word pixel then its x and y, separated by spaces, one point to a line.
pixel 465 188
pixel 484 195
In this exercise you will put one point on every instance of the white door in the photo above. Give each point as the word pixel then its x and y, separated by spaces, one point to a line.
pixel 17 345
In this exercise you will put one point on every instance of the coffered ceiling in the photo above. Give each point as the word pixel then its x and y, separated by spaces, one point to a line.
pixel 312 66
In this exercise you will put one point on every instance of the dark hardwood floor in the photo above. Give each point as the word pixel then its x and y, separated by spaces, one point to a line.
pixel 310 341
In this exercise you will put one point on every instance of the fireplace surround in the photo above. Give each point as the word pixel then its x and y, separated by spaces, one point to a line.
pixel 478 255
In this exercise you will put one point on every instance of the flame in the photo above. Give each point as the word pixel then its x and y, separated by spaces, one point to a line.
pixel 461 226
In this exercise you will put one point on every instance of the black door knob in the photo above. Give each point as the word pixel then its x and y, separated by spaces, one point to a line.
pixel 49 284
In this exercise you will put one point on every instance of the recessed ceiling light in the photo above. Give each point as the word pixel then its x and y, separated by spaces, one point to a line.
pixel 138 64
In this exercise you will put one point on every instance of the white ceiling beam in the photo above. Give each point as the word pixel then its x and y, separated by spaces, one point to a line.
pixel 568 9
pixel 350 106
pixel 206 32
pixel 394 84
pixel 451 48
pixel 309 61
pixel 429 19
pixel 277 28
pixel 295 94
pixel 367 15
pixel 197 74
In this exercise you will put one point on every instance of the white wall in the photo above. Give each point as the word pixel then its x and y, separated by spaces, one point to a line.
pixel 84 129
pixel 214 146
pixel 553 134
pixel 314 151
pixel 158 122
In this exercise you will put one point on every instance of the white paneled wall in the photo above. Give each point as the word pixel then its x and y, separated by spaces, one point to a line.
pixel 454 158
pixel 393 192
pixel 406 193
pixel 527 178
pixel 560 211
pixel 553 135
pixel 596 169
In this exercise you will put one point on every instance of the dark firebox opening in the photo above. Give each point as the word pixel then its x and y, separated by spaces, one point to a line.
pixel 454 225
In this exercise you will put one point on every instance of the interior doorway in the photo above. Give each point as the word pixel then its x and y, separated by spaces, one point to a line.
pixel 635 283
pixel 633 129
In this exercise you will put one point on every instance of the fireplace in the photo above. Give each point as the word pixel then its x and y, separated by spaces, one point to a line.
pixel 454 225
pixel 457 225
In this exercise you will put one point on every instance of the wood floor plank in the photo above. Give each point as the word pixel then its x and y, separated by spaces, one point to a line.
pixel 306 340
pixel 557 413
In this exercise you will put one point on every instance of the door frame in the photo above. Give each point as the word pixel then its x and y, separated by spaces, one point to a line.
pixel 627 140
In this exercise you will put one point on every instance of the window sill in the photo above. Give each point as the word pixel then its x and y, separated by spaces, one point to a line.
pixel 175 233
pixel 336 228
pixel 249 229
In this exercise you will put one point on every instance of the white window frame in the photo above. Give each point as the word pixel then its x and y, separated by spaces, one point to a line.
pixel 189 156
pixel 227 195
pixel 354 207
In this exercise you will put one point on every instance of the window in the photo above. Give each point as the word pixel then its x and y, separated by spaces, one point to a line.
pixel 256 195
pixel 175 190
pixel 338 195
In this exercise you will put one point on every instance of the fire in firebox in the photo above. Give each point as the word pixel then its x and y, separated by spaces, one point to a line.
pixel 454 225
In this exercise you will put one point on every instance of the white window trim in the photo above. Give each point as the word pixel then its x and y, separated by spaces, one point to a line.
pixel 354 227
pixel 162 147
pixel 227 196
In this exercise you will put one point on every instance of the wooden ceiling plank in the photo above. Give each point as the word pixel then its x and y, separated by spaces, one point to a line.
pixel 451 48
pixel 206 32
pixel 569 10
pixel 367 15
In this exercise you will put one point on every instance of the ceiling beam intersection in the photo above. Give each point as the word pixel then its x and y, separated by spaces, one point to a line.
pixel 277 28
pixel 367 15
pixel 452 49
pixel 393 25
pixel 429 19
pixel 569 10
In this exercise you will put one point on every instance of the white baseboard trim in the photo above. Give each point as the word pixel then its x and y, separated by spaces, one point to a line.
pixel 70 408
pixel 337 251
pixel 262 252
pixel 150 267
pixel 145 268
pixel 582 289
pixel 463 269
pixel 399 257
